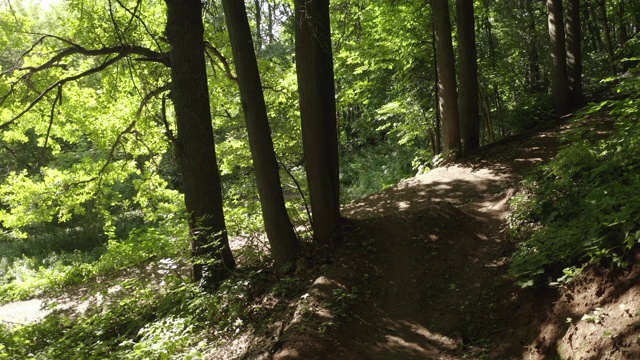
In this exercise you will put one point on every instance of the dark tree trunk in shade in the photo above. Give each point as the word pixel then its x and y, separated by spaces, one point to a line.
pixel 195 149
pixel 534 77
pixel 282 238
pixel 606 29
pixel 448 101
pixel 437 138
pixel 559 82
pixel 574 52
pixel 468 106
pixel 590 19
pixel 314 64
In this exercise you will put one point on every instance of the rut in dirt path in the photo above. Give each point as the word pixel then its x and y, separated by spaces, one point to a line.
pixel 435 280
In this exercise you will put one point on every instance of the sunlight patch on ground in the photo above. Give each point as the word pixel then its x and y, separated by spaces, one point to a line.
pixel 23 312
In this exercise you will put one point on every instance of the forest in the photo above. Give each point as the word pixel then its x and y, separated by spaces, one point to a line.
pixel 315 179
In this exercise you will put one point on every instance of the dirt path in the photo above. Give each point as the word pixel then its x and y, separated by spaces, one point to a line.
pixel 433 269
pixel 436 286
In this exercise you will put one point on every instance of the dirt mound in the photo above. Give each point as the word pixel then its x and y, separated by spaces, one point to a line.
pixel 423 277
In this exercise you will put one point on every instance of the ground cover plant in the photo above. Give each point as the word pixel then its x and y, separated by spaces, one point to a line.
pixel 582 208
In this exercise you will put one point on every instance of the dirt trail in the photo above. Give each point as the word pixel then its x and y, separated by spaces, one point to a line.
pixel 434 270
pixel 440 249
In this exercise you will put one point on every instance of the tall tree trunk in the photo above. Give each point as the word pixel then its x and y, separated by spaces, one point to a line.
pixel 624 23
pixel 195 148
pixel 559 82
pixel 270 33
pixel 437 145
pixel 448 100
pixel 493 62
pixel 282 238
pixel 468 65
pixel 607 34
pixel 534 77
pixel 316 90
pixel 257 4
pixel 590 19
pixel 574 52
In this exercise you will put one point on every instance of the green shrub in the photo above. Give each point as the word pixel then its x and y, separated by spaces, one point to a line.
pixel 375 168
pixel 584 206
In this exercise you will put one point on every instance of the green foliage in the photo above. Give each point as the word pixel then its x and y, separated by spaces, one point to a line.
pixel 161 319
pixel 26 273
pixel 370 170
pixel 139 325
pixel 533 110
pixel 583 207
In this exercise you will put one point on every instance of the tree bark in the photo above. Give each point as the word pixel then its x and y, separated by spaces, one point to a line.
pixel 469 109
pixel 590 18
pixel 534 77
pixel 282 238
pixel 437 139
pixel 448 95
pixel 574 52
pixel 602 4
pixel 195 148
pixel 258 6
pixel 316 90
pixel 559 82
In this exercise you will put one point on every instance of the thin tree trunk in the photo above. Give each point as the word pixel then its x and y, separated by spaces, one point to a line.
pixel 559 82
pixel 493 62
pixel 258 6
pixel 270 22
pixel 437 145
pixel 487 116
pixel 448 99
pixel 574 52
pixel 468 69
pixel 624 32
pixel 534 77
pixel 316 89
pixel 282 238
pixel 195 148
pixel 591 21
pixel 607 34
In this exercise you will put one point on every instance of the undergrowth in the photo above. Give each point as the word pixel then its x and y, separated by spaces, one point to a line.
pixel 374 169
pixel 23 274
pixel 169 319
pixel 583 207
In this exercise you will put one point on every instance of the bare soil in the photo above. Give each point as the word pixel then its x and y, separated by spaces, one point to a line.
pixel 423 276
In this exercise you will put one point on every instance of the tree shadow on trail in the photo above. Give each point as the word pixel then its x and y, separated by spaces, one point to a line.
pixel 433 259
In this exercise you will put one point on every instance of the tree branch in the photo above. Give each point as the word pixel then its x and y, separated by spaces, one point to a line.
pixel 151 95
pixel 223 60
pixel 61 82
pixel 165 122
pixel 134 14
pixel 51 116
pixel 147 55
pixel 112 153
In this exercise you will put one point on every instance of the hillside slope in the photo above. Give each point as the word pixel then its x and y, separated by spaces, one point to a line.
pixel 422 276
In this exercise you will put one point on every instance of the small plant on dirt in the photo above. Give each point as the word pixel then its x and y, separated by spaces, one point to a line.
pixel 594 316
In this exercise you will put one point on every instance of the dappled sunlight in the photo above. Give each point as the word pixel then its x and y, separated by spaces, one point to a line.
pixel 413 340
pixel 23 312
pixel 93 297
pixel 454 185
pixel 413 336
